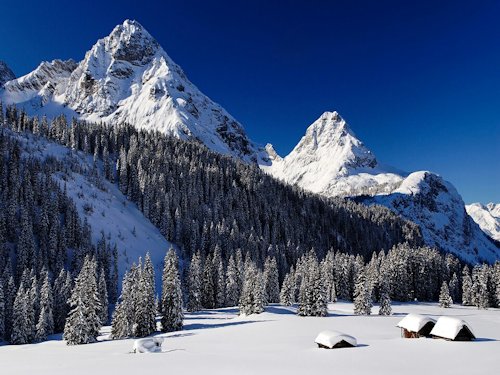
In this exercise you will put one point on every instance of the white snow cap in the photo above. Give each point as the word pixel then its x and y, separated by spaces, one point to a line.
pixel 414 322
pixel 332 338
pixel 148 345
pixel 448 327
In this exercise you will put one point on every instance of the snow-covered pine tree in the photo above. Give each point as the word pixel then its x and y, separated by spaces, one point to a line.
pixel 271 278
pixel 497 282
pixel 103 298
pixel 122 325
pixel 385 299
pixel 467 298
pixel 362 294
pixel 208 297
pixel 253 294
pixel 83 322
pixel 328 275
pixel 62 294
pixel 232 284
pixel 445 299
pixel 20 323
pixel 312 301
pixel 45 325
pixel 454 288
pixel 195 275
pixel 171 300
pixel 146 305
pixel 219 279
pixel 287 294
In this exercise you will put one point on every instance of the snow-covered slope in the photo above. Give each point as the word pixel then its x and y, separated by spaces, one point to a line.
pixel 105 207
pixel 331 161
pixel 487 217
pixel 277 342
pixel 5 73
pixel 128 77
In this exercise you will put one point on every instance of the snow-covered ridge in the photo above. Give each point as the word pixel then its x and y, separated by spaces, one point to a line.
pixel 128 77
pixel 487 217
pixel 331 161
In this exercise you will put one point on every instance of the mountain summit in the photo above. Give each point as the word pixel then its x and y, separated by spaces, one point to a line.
pixel 331 160
pixel 127 77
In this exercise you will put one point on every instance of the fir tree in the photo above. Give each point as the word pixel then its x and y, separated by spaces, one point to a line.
pixel 253 295
pixel 362 295
pixel 20 323
pixel 45 325
pixel 385 300
pixel 467 298
pixel 232 284
pixel 208 299
pixel 271 278
pixel 445 299
pixel 103 298
pixel 146 306
pixel 287 294
pixel 83 322
pixel 123 323
pixel 171 300
pixel 195 275
pixel 62 294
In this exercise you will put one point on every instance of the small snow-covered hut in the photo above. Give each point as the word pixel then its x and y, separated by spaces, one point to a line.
pixel 334 339
pixel 416 325
pixel 452 329
pixel 148 345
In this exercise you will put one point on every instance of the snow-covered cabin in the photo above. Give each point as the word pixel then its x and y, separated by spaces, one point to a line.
pixel 334 339
pixel 416 325
pixel 452 329
pixel 148 345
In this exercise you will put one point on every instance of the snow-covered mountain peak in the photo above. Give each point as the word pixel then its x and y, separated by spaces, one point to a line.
pixel 5 73
pixel 329 138
pixel 127 77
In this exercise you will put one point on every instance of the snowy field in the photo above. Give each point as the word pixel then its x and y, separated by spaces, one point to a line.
pixel 277 342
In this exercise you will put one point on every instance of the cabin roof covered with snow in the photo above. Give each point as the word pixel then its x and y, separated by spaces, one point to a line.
pixel 415 322
pixel 448 327
pixel 332 338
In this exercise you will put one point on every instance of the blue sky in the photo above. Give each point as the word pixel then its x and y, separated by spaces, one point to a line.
pixel 419 82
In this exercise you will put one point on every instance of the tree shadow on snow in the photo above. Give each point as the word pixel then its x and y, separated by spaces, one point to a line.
pixel 484 339
pixel 280 310
pixel 193 326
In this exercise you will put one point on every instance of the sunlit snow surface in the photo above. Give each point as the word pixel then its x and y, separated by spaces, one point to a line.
pixel 276 342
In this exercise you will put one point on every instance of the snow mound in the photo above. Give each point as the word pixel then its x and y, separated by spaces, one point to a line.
pixel 415 322
pixel 331 339
pixel 148 345
pixel 449 328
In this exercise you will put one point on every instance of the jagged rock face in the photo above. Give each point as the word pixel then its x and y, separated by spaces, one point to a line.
pixel 487 217
pixel 5 73
pixel 128 77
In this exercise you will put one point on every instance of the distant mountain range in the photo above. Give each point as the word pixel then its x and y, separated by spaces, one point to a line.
pixel 127 77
